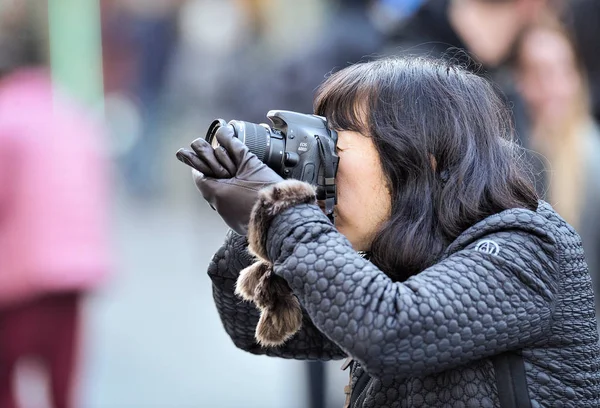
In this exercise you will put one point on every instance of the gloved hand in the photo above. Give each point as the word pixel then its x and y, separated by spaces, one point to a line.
pixel 229 176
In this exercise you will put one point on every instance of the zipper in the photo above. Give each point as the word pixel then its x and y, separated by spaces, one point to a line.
pixel 359 391
pixel 362 396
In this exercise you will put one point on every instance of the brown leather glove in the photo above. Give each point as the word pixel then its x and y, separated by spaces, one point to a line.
pixel 229 176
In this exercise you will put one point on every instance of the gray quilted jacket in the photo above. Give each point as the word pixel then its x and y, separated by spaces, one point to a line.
pixel 504 319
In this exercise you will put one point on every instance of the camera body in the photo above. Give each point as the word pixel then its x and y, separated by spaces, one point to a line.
pixel 297 145
pixel 291 146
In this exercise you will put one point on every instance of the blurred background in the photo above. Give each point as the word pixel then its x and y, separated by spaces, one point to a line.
pixel 104 241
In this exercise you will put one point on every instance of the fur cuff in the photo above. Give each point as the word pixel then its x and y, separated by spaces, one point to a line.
pixel 280 312
pixel 272 201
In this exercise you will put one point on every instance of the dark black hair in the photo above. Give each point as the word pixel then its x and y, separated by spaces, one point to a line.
pixel 446 145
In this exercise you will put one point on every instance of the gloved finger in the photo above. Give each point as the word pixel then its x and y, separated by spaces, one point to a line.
pixel 234 146
pixel 190 158
pixel 223 157
pixel 206 153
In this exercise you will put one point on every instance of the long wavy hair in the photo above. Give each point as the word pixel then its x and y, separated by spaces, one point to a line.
pixel 446 146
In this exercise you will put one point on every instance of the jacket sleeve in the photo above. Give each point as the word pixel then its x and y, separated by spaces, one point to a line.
pixel 471 305
pixel 240 318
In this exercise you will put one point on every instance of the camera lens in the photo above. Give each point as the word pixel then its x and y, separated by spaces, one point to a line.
pixel 256 137
pixel 266 143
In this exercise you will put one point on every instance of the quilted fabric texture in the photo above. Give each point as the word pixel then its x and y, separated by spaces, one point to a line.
pixel 515 281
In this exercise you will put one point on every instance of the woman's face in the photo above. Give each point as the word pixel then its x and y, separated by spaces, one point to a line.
pixel 364 202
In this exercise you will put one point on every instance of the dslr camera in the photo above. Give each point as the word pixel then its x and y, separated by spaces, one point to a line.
pixel 296 145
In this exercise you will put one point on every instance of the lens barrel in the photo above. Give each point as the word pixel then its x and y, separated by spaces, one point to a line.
pixel 256 137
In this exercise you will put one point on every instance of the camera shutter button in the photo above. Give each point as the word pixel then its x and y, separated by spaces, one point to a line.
pixel 291 159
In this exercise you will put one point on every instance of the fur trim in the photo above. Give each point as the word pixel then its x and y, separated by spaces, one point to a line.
pixel 280 322
pixel 249 279
pixel 270 289
pixel 280 312
pixel 272 201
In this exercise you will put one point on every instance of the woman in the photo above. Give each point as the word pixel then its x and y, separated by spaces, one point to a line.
pixel 474 292
pixel 563 130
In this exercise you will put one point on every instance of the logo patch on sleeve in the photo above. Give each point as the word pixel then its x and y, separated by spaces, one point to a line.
pixel 488 246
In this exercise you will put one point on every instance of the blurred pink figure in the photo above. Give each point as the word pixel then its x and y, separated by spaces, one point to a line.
pixel 53 228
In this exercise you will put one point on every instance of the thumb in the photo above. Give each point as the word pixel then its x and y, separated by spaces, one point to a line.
pixel 228 139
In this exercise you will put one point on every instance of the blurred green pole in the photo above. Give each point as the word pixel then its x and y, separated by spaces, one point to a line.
pixel 76 49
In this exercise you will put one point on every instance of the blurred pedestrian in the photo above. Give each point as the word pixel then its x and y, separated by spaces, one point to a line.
pixel 53 220
pixel 562 129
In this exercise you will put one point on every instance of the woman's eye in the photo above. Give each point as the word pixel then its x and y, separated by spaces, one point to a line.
pixel 338 149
